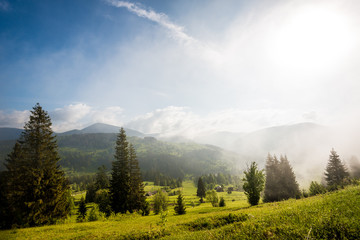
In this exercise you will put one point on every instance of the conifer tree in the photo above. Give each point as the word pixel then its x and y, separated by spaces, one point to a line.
pixel 180 205
pixel 335 172
pixel 253 183
pixel 289 186
pixel 272 184
pixel 120 181
pixel 102 180
pixel 82 210
pixel 201 191
pixel 137 193
pixel 37 189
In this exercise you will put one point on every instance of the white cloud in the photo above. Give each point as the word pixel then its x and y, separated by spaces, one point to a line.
pixel 80 115
pixel 181 121
pixel 16 119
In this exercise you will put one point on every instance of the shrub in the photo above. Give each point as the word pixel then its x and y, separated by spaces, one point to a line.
pixel 212 197
pixel 316 188
pixel 160 202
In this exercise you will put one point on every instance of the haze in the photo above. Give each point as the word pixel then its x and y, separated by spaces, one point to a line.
pixel 182 68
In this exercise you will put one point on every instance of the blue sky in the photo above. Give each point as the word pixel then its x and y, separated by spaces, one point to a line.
pixel 180 67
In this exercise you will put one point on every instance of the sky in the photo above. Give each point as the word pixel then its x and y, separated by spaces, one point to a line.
pixel 180 67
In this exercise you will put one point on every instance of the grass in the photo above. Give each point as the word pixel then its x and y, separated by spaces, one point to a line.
pixel 333 215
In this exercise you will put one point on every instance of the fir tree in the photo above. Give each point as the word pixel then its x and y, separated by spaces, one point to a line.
pixel 335 172
pixel 102 180
pixel 137 194
pixel 253 183
pixel 36 189
pixel 82 210
pixel 180 205
pixel 201 191
pixel 289 186
pixel 120 181
pixel 272 184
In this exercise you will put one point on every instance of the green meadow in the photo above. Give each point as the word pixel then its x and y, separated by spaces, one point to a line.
pixel 334 215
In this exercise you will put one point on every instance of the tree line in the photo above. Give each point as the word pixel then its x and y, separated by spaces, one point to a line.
pixel 34 190
pixel 278 181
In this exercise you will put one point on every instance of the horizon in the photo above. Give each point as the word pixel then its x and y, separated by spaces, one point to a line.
pixel 181 67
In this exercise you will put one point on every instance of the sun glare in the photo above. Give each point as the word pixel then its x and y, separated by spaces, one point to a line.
pixel 312 38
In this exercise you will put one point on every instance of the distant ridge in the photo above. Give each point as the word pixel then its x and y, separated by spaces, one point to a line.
pixel 103 128
pixel 10 133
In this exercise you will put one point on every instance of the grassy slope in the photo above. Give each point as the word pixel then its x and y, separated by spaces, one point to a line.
pixel 333 215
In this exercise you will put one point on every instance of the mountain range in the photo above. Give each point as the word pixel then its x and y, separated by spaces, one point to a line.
pixel 306 145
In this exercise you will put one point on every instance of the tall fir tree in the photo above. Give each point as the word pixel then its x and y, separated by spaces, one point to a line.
pixel 201 191
pixel 137 193
pixel 253 183
pixel 289 186
pixel 36 188
pixel 272 185
pixel 335 172
pixel 102 180
pixel 120 181
pixel 180 208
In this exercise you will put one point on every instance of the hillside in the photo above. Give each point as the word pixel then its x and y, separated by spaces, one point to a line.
pixel 86 152
pixel 333 215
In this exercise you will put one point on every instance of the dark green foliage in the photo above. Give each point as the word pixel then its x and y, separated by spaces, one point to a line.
pixel 145 210
pixel 222 202
pixel 201 191
pixel 36 188
pixel 120 181
pixel 126 186
pixel 93 215
pixel 253 183
pixel 160 202
pixel 180 205
pixel 316 188
pixel 280 181
pixel 90 192
pixel 81 210
pixel 102 198
pixel 102 180
pixel 335 172
pixel 137 194
pixel 289 185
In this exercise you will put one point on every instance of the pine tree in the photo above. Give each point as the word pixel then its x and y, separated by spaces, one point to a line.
pixel 201 191
pixel 137 194
pixel 102 180
pixel 289 186
pixel 82 210
pixel 253 183
pixel 272 183
pixel 36 189
pixel 335 172
pixel 180 205
pixel 120 181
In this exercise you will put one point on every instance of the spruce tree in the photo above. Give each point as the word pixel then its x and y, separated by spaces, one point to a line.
pixel 120 181
pixel 253 183
pixel 289 186
pixel 335 172
pixel 102 180
pixel 180 205
pixel 81 210
pixel 201 191
pixel 36 189
pixel 137 193
pixel 272 183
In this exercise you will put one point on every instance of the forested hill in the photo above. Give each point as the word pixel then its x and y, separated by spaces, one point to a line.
pixel 86 152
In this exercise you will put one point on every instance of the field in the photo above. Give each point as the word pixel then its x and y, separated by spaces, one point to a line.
pixel 333 215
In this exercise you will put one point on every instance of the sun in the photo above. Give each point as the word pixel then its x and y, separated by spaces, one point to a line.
pixel 311 38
